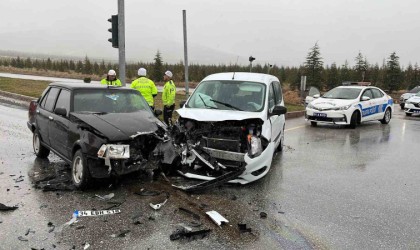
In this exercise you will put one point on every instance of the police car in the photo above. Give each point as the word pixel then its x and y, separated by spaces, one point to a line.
pixel 412 105
pixel 350 105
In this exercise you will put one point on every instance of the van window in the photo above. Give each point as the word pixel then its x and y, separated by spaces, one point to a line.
pixel 271 97
pixel 278 92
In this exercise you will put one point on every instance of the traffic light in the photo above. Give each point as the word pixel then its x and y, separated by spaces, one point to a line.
pixel 114 31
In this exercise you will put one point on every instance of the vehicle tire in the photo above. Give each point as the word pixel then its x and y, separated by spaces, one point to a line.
pixel 353 120
pixel 280 146
pixel 408 114
pixel 39 150
pixel 314 124
pixel 387 117
pixel 79 170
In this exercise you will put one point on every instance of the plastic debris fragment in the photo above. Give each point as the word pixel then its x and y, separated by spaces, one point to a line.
pixel 217 218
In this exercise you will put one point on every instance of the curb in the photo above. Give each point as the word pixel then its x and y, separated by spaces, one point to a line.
pixel 15 99
pixel 295 114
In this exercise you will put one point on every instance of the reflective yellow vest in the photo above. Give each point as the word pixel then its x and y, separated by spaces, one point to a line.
pixel 168 95
pixel 116 82
pixel 146 87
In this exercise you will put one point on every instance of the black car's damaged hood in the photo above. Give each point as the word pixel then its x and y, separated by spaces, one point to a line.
pixel 120 126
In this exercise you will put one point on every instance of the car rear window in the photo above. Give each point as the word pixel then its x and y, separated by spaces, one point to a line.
pixel 108 101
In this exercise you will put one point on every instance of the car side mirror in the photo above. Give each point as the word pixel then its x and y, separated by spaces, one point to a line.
pixel 316 96
pixel 181 104
pixel 158 112
pixel 278 110
pixel 60 111
pixel 365 98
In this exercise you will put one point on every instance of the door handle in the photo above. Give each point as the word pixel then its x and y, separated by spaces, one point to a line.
pixel 51 118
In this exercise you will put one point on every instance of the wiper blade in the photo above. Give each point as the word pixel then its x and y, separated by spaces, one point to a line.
pixel 226 104
pixel 92 112
pixel 205 104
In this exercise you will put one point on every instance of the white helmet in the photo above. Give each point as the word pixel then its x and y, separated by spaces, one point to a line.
pixel 169 74
pixel 142 72
pixel 112 72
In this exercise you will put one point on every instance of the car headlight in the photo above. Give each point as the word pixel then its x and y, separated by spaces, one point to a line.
pixel 408 102
pixel 342 108
pixel 114 151
pixel 310 106
pixel 255 148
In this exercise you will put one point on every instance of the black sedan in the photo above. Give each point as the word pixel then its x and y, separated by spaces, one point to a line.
pixel 99 130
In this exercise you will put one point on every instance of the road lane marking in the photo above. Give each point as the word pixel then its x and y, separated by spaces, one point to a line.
pixel 294 128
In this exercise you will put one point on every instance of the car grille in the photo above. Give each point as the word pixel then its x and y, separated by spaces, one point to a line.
pixel 223 144
pixel 321 119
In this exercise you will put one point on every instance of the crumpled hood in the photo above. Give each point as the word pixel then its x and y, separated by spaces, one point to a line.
pixel 217 115
pixel 408 95
pixel 415 99
pixel 325 103
pixel 120 126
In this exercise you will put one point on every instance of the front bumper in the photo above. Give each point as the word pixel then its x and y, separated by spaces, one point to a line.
pixel 99 169
pixel 338 117
pixel 411 108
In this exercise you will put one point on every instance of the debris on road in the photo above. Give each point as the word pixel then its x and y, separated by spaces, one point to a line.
pixel 51 226
pixel 183 233
pixel 263 215
pixel 80 227
pixel 195 224
pixel 158 206
pixel 19 179
pixel 96 213
pixel 243 228
pixel 21 238
pixel 144 192
pixel 86 246
pixel 121 234
pixel 105 197
pixel 29 231
pixel 7 208
pixel 194 215
pixel 217 218
pixel 53 183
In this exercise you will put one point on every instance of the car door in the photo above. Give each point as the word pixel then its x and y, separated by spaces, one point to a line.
pixel 59 125
pixel 276 120
pixel 381 102
pixel 368 107
pixel 44 112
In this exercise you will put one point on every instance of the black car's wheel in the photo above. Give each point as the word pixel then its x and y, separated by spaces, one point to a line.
pixel 387 117
pixel 408 114
pixel 353 120
pixel 314 124
pixel 79 170
pixel 39 149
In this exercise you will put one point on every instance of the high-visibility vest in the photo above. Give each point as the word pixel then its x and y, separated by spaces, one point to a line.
pixel 168 95
pixel 115 82
pixel 146 87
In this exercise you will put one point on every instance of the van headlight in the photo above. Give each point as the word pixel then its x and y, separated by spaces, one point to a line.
pixel 310 106
pixel 114 151
pixel 255 148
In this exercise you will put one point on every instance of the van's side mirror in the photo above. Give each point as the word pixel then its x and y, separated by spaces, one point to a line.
pixel 365 98
pixel 316 96
pixel 278 110
pixel 60 111
pixel 181 104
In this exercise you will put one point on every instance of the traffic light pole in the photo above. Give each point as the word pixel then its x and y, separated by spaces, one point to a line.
pixel 121 41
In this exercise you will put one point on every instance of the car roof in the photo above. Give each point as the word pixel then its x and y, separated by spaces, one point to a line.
pixel 77 85
pixel 242 76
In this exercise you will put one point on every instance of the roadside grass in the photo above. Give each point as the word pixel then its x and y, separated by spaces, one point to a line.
pixel 35 88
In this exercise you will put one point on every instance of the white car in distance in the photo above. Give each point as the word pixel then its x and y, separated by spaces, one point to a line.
pixel 350 105
pixel 412 105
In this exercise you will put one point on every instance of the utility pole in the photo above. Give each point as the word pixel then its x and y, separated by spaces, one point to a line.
pixel 187 89
pixel 121 40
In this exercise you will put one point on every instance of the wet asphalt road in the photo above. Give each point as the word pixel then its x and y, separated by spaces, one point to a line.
pixel 331 188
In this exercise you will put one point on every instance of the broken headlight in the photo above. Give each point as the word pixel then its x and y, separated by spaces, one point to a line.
pixel 114 151
pixel 255 148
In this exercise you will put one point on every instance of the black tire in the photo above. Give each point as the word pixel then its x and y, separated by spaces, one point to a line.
pixel 314 124
pixel 408 114
pixel 387 117
pixel 354 120
pixel 39 150
pixel 280 146
pixel 80 175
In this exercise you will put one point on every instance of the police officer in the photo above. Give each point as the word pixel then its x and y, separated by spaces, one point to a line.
pixel 111 79
pixel 146 87
pixel 168 97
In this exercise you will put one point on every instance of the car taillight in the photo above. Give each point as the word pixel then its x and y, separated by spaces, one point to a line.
pixel 32 108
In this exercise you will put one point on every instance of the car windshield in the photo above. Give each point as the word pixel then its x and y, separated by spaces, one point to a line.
pixel 415 90
pixel 108 101
pixel 342 93
pixel 229 95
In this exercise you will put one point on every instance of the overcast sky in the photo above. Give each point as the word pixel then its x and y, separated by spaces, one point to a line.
pixel 280 32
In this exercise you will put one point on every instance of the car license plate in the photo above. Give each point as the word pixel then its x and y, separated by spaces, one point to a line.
pixel 320 114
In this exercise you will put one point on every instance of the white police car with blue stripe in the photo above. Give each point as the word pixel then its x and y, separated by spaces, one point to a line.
pixel 350 105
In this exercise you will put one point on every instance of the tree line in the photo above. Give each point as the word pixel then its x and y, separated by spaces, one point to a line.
pixel 389 76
